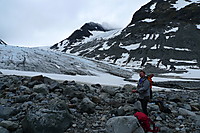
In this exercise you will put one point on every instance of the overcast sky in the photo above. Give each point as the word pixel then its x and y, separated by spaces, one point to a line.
pixel 46 22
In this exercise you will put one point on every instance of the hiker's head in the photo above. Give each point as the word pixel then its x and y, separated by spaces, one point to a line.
pixel 142 73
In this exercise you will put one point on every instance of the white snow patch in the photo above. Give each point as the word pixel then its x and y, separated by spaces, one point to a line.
pixel 148 20
pixel 104 46
pixel 171 30
pixel 178 49
pixel 182 3
pixel 173 60
pixel 146 36
pixel 99 35
pixel 151 36
pixel 167 37
pixel 192 73
pixel 157 35
pixel 198 26
pixel 153 7
pixel 127 34
pixel 182 49
pixel 131 25
pixel 123 59
pixel 101 78
pixel 144 46
pixel 131 47
pixel 154 47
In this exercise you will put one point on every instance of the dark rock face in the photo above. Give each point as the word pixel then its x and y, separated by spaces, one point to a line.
pixel 159 34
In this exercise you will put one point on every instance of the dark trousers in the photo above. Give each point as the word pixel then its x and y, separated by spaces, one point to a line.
pixel 144 103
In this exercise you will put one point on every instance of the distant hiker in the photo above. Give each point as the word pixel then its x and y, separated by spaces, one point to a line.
pixel 143 88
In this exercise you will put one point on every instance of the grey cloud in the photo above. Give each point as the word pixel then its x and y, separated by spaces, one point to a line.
pixel 45 22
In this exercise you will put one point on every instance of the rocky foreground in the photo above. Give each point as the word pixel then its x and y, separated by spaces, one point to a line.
pixel 42 105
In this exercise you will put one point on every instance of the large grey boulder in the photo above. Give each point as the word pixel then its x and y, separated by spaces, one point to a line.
pixel 3 130
pixel 6 112
pixel 87 106
pixel 123 124
pixel 52 118
pixel 12 126
pixel 41 88
pixel 110 90
pixel 186 112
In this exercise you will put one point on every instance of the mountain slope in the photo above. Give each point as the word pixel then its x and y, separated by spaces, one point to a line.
pixel 38 60
pixel 162 33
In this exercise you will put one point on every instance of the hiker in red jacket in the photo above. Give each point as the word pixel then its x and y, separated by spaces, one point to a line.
pixel 143 88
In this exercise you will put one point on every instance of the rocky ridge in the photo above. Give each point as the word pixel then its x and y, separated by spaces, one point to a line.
pixel 2 42
pixel 40 104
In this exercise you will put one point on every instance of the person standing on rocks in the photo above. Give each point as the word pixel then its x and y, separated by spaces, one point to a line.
pixel 143 88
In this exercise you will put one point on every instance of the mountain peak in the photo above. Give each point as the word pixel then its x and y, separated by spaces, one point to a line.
pixel 85 31
pixel 78 35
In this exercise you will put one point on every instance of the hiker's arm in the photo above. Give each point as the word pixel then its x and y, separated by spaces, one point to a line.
pixel 145 87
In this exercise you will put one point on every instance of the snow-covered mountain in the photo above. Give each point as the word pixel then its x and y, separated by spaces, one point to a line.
pixel 2 42
pixel 163 34
pixel 38 60
pixel 86 31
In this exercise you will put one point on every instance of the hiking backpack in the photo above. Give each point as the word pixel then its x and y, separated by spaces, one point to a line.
pixel 149 77
pixel 146 122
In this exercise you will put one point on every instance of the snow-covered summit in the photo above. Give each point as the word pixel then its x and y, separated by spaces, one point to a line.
pixel 87 33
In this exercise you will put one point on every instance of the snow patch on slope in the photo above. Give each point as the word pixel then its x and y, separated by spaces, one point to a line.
pixel 175 29
pixel 183 3
pixel 148 20
pixel 131 47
